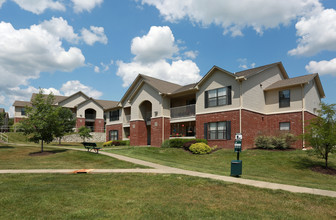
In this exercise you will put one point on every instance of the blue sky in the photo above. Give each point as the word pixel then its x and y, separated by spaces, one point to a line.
pixel 99 47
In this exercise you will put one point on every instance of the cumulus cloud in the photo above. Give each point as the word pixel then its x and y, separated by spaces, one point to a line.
pixel 1 2
pixel 154 56
pixel 60 28
pixel 323 67
pixel 158 44
pixel 95 34
pixel 234 17
pixel 71 87
pixel 317 33
pixel 191 54
pixel 245 64
pixel 85 5
pixel 39 6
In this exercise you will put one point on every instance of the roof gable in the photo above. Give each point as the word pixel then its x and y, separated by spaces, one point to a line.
pixel 251 72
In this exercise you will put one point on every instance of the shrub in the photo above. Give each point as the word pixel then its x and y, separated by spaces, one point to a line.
pixel 200 148
pixel 179 142
pixel 116 143
pixel 282 142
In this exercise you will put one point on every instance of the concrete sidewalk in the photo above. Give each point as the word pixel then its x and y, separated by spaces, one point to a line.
pixel 157 168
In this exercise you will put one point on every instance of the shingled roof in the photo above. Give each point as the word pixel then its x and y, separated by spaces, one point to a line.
pixel 161 85
pixel 300 80
pixel 22 104
pixel 250 72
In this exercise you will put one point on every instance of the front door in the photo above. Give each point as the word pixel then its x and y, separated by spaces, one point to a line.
pixel 148 135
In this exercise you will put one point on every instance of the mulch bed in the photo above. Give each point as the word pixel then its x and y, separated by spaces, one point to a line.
pixel 320 169
pixel 288 149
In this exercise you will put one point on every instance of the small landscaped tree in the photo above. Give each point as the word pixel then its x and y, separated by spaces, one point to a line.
pixel 65 123
pixel 84 132
pixel 321 132
pixel 42 119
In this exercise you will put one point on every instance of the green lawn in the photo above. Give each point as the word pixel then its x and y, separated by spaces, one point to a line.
pixel 287 167
pixel 18 157
pixel 149 196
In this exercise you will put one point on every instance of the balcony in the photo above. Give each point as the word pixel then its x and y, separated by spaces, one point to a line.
pixel 182 112
pixel 90 116
pixel 127 120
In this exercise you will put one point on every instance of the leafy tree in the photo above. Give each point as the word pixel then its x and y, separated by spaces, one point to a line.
pixel 2 118
pixel 42 119
pixel 321 132
pixel 65 122
pixel 84 132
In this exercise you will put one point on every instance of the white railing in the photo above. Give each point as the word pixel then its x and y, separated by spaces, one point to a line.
pixel 4 137
pixel 182 111
pixel 127 118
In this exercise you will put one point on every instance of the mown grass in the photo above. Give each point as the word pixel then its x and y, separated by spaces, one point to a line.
pixel 19 157
pixel 149 196
pixel 287 167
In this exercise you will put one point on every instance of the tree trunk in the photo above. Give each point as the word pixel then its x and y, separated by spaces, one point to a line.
pixel 326 159
pixel 59 141
pixel 42 146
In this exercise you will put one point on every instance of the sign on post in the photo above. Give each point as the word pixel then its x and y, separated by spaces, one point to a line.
pixel 237 145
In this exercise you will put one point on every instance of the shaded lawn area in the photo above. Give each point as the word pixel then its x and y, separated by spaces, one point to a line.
pixel 25 157
pixel 149 196
pixel 287 167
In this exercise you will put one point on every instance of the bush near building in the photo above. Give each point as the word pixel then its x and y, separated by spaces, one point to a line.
pixel 281 142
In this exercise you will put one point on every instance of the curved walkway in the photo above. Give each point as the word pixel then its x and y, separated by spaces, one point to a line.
pixel 157 168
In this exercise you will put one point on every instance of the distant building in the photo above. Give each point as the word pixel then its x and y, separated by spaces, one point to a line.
pixel 88 112
pixel 4 127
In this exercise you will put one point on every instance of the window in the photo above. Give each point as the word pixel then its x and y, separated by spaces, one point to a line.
pixel 218 130
pixel 23 111
pixel 284 126
pixel 218 97
pixel 113 135
pixel 114 115
pixel 284 98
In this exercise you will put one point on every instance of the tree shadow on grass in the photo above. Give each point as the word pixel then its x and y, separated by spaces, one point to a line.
pixel 46 153
pixel 314 165
pixel 6 147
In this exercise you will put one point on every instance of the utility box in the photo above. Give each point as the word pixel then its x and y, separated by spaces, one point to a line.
pixel 236 167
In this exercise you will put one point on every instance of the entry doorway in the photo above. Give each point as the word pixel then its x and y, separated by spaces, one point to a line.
pixel 148 135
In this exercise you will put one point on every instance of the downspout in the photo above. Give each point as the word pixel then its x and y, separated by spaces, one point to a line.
pixel 241 106
pixel 303 118
pixel 163 125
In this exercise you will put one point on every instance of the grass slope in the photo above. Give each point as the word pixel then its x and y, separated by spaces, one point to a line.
pixel 287 167
pixel 149 196
pixel 17 157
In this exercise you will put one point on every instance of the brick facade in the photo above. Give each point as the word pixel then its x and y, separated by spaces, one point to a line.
pixel 99 125
pixel 117 127
pixel 138 133
pixel 232 116
pixel 80 122
pixel 17 120
pixel 156 131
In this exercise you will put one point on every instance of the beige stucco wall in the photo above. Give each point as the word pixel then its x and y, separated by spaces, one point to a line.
pixel 108 122
pixel 218 80
pixel 146 93
pixel 71 102
pixel 253 88
pixel 312 98
pixel 90 104
pixel 272 100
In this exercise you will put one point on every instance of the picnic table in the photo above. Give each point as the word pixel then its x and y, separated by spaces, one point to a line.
pixel 91 146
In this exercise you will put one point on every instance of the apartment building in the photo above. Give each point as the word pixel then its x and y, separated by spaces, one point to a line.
pixel 261 100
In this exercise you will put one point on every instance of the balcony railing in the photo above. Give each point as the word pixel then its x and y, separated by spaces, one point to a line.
pixel 182 111
pixel 127 118
pixel 148 116
pixel 90 116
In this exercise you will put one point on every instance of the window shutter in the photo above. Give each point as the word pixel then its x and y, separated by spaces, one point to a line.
pixel 118 115
pixel 117 133
pixel 206 131
pixel 229 98
pixel 206 96
pixel 110 115
pixel 228 130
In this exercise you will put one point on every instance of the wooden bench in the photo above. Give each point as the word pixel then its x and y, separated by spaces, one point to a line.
pixel 91 146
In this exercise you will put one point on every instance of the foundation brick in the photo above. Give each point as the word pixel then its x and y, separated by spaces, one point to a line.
pixel 117 127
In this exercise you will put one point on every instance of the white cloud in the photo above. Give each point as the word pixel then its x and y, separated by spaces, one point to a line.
pixel 85 5
pixel 158 44
pixel 60 28
pixel 96 69
pixel 317 33
pixel 95 34
pixel 1 2
pixel 2 100
pixel 25 53
pixel 323 67
pixel 154 56
pixel 71 87
pixel 233 17
pixel 191 54
pixel 39 6
pixel 244 63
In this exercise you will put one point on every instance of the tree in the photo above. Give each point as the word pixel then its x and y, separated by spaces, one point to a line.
pixel 84 132
pixel 42 119
pixel 321 132
pixel 2 118
pixel 65 123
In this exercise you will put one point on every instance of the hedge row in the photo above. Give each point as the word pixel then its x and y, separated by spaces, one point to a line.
pixel 116 143
pixel 180 142
pixel 284 141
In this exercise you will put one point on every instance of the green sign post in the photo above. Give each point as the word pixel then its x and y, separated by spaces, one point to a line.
pixel 236 165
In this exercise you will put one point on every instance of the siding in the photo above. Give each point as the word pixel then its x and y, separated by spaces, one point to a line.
pixel 272 101
pixel 81 110
pixel 253 88
pixel 72 101
pixel 312 98
pixel 218 80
